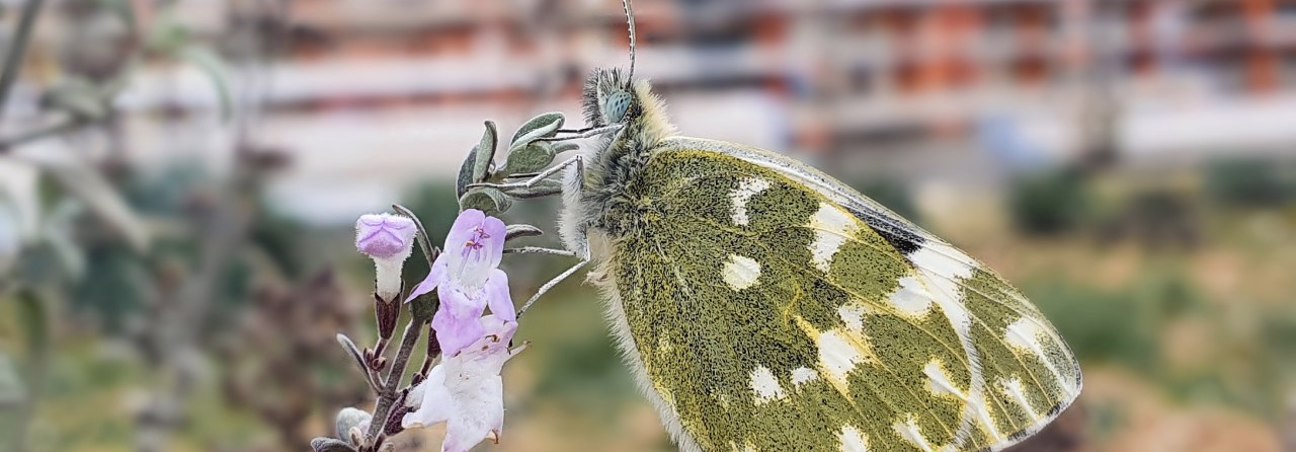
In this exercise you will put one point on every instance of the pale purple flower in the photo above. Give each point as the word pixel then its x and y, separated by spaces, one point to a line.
pixel 465 390
pixel 388 239
pixel 467 280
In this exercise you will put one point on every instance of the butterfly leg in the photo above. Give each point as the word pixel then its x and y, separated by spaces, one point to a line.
pixel 584 260
pixel 583 252
pixel 539 250
pixel 586 133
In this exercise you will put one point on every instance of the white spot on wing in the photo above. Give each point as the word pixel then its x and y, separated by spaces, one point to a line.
pixel 912 298
pixel 911 433
pixel 837 356
pixel 941 270
pixel 803 375
pixel 744 193
pixel 1015 392
pixel 852 314
pixel 1024 335
pixel 832 228
pixel 766 385
pixel 980 409
pixel 852 439
pixel 741 272
pixel 940 383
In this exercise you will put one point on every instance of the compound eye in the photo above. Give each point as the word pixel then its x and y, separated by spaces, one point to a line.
pixel 615 106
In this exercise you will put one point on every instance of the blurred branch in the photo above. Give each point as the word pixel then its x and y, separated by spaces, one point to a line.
pixel 58 128
pixel 17 48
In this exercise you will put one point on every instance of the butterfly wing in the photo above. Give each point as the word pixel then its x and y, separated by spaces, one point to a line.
pixel 770 307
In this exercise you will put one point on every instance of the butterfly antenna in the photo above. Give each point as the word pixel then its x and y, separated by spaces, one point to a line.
pixel 631 23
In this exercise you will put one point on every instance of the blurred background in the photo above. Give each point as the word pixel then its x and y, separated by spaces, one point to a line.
pixel 179 179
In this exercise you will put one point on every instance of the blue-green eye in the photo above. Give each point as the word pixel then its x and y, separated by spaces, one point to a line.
pixel 615 106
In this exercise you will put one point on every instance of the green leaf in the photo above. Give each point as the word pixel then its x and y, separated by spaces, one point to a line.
pixel 529 158
pixel 348 419
pixel 538 127
pixel 516 231
pixel 330 445
pixel 564 146
pixel 466 173
pixel 486 199
pixel 485 152
pixel 355 353
pixel 546 187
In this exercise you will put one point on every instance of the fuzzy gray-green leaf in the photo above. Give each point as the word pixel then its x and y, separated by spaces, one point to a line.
pixel 529 158
pixel 330 445
pixel 466 173
pixel 546 187
pixel 485 152
pixel 486 199
pixel 355 353
pixel 564 146
pixel 350 418
pixel 538 127
pixel 516 231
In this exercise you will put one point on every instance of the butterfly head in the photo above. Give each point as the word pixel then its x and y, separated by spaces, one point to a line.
pixel 609 98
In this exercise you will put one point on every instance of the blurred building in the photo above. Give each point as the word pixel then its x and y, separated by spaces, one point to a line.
pixel 371 96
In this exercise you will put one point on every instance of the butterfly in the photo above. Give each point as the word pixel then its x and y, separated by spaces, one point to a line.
pixel 765 306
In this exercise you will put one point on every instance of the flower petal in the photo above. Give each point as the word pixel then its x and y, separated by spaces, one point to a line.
pixel 464 228
pixel 480 410
pixel 385 236
pixel 498 297
pixel 457 321
pixel 492 351
pixel 492 235
pixel 435 405
pixel 436 277
pixel 459 242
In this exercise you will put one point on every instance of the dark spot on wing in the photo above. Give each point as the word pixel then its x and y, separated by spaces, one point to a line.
pixel 895 232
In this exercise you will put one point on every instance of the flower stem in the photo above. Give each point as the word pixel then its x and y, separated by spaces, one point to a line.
pixel 388 396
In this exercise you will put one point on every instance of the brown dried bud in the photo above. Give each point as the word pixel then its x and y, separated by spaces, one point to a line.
pixel 387 313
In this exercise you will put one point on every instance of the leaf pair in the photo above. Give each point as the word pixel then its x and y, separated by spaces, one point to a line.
pixel 528 153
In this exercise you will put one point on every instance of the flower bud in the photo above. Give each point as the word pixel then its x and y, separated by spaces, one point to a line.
pixel 387 239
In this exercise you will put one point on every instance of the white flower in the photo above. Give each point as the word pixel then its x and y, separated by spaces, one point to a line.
pixel 465 390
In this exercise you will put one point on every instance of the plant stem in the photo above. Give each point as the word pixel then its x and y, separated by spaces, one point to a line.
pixel 388 395
pixel 57 129
pixel 14 58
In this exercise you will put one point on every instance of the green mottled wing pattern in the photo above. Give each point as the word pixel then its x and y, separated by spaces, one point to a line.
pixel 772 314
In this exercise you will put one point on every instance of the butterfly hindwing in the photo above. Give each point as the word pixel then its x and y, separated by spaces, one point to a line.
pixel 773 308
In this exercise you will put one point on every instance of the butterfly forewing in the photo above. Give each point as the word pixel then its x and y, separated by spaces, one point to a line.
pixel 775 309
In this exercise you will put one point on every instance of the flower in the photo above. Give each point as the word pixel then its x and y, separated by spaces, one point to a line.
pixel 467 280
pixel 388 239
pixel 465 390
